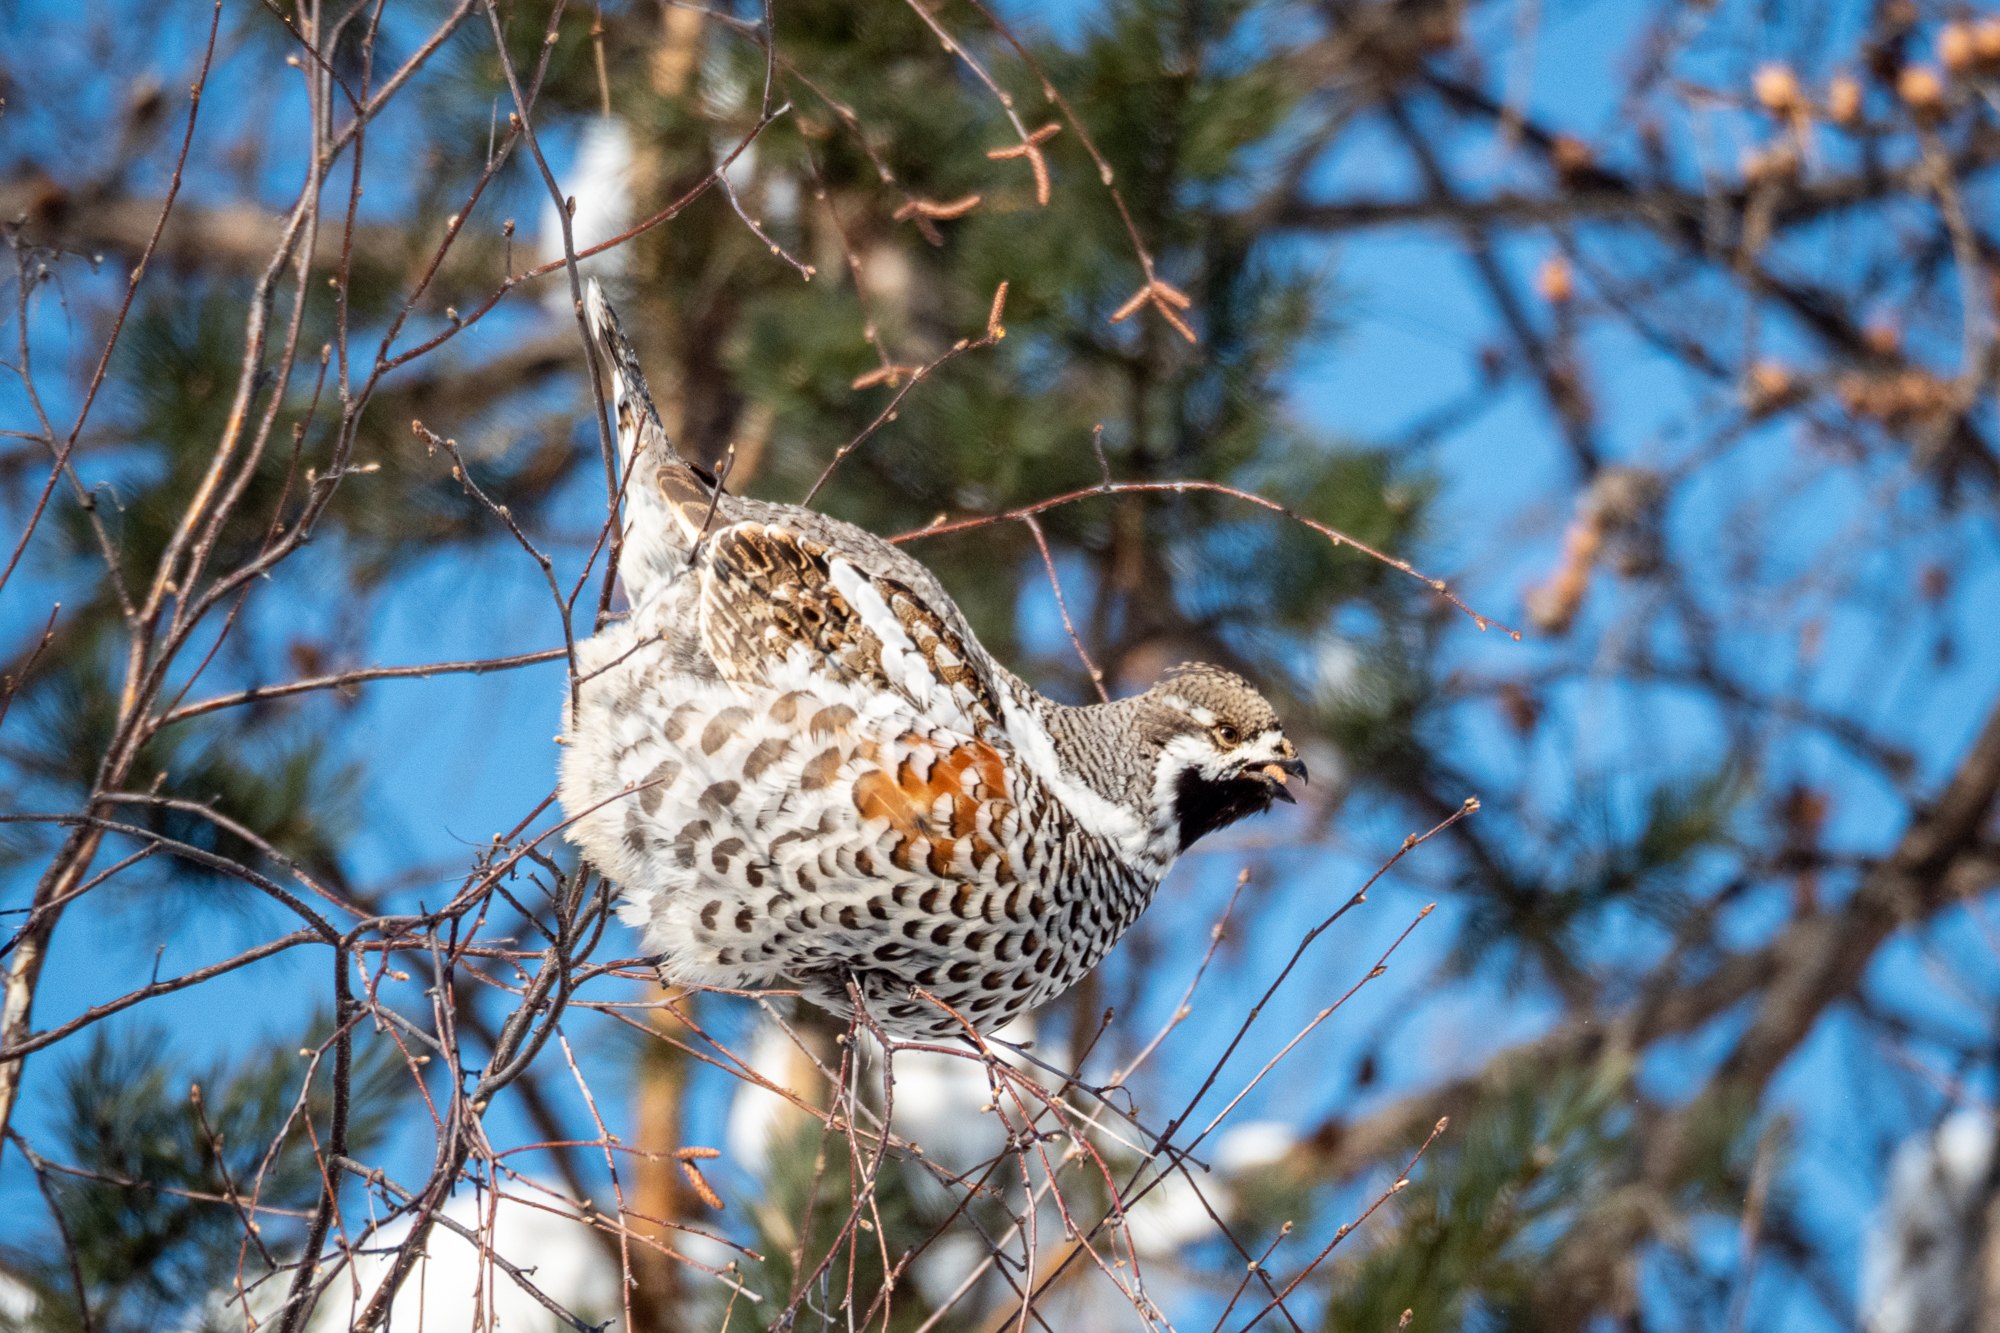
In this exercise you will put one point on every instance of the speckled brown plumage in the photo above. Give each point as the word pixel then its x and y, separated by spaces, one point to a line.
pixel 805 771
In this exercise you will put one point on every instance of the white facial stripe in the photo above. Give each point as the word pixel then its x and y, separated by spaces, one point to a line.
pixel 1177 756
pixel 1197 751
pixel 1096 814
pixel 1192 709
pixel 1193 750
pixel 1265 748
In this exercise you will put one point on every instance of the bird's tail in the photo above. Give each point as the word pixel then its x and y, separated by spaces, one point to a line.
pixel 658 484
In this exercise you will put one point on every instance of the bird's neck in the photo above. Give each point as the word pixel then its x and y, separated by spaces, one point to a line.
pixel 1110 752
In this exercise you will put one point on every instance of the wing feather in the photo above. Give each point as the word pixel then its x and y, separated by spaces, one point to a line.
pixel 770 594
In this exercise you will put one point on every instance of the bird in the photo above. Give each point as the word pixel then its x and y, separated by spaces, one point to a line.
pixel 805 773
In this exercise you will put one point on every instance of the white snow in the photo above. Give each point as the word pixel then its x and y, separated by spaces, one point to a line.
pixel 600 181
pixel 1920 1271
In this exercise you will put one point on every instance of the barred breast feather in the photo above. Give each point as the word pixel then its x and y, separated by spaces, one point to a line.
pixel 836 797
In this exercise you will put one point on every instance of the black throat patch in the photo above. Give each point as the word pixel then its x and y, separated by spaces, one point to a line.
pixel 1202 805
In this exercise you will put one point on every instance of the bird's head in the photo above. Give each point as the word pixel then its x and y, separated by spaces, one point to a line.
pixel 1220 752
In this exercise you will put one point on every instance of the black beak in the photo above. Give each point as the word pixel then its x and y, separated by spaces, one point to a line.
pixel 1277 773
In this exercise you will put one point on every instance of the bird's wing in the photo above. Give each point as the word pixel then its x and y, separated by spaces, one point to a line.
pixel 772 596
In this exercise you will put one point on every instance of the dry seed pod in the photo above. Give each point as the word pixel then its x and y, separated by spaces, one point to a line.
pixel 1572 156
pixel 1843 100
pixel 1768 387
pixel 1922 90
pixel 1986 42
pixel 1955 47
pixel 1883 338
pixel 1555 281
pixel 1777 89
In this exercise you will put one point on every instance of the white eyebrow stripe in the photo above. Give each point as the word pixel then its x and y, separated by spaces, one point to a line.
pixel 1191 708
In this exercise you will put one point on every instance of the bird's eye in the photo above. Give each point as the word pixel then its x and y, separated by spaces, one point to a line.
pixel 1226 734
